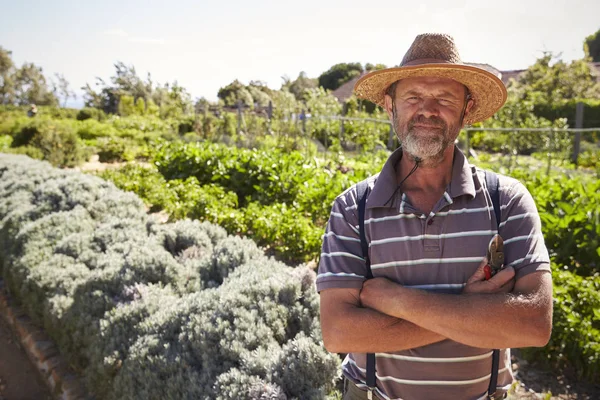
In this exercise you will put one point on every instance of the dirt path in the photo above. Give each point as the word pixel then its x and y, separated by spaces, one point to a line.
pixel 18 378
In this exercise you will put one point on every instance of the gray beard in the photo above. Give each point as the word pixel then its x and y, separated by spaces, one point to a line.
pixel 428 149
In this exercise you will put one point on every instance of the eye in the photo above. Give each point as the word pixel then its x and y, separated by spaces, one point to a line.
pixel 445 102
pixel 413 99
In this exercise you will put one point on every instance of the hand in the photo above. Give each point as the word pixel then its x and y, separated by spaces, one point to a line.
pixel 502 282
pixel 379 294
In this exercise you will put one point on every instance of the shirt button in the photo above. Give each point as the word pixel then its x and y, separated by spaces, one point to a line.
pixel 430 222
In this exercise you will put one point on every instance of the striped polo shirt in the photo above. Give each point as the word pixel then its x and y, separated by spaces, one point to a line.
pixel 435 252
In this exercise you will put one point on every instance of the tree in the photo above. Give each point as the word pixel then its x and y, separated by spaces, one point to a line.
pixel 550 83
pixel 31 86
pixel 235 92
pixel 62 89
pixel 299 86
pixel 591 46
pixel 168 100
pixel 374 67
pixel 260 92
pixel 23 86
pixel 7 72
pixel 339 74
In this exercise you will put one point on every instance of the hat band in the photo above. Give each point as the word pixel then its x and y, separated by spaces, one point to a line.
pixel 421 61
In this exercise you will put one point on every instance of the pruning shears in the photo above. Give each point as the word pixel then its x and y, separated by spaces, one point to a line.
pixel 495 256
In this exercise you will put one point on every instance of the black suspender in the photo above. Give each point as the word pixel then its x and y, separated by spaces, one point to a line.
pixel 493 187
pixel 362 189
pixel 362 193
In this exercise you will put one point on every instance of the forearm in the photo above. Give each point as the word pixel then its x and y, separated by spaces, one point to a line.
pixel 363 330
pixel 499 320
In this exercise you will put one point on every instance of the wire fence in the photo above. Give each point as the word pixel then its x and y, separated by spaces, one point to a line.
pixel 554 146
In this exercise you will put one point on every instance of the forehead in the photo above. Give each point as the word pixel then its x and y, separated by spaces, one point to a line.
pixel 430 85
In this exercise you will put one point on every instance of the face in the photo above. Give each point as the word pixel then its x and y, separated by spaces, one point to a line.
pixel 427 115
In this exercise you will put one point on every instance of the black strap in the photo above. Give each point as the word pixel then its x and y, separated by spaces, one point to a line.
pixel 362 192
pixel 492 183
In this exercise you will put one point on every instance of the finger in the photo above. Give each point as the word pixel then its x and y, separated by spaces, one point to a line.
pixel 503 276
pixel 479 274
pixel 508 286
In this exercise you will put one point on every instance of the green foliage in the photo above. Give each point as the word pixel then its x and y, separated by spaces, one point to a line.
pixel 142 310
pixel 126 106
pixel 91 113
pixel 547 83
pixel 566 109
pixel 146 182
pixel 235 92
pixel 280 199
pixel 570 218
pixel 300 86
pixel 23 86
pixel 591 46
pixel 166 101
pixel 119 149
pixel 5 142
pixel 56 139
pixel 574 346
pixel 92 129
pixel 339 74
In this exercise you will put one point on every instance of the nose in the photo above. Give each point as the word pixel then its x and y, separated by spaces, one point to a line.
pixel 429 107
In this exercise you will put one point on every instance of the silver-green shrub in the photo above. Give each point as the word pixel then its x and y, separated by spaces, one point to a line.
pixel 144 310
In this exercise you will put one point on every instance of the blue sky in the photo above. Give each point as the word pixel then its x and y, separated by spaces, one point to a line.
pixel 204 45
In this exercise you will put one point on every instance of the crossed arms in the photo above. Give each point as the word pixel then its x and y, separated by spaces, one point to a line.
pixel 384 316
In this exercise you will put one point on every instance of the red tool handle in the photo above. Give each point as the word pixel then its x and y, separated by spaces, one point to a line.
pixel 488 272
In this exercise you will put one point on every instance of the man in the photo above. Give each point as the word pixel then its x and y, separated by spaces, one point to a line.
pixel 429 313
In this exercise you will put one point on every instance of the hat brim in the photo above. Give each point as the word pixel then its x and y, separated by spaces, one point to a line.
pixel 487 90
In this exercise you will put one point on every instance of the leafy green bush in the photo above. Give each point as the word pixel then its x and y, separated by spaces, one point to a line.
pixel 570 218
pixel 118 149
pixel 280 199
pixel 91 113
pixel 574 346
pixel 5 142
pixel 56 139
pixel 92 129
pixel 145 182
pixel 566 109
pixel 143 310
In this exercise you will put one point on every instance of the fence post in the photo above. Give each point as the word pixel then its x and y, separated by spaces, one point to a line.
pixel 578 125
pixel 239 115
pixel 303 122
pixel 270 116
pixel 551 133
pixel 391 137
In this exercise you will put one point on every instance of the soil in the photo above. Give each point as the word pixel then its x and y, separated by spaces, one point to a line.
pixel 535 382
pixel 18 378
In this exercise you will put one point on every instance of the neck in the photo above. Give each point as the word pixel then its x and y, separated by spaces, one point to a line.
pixel 432 175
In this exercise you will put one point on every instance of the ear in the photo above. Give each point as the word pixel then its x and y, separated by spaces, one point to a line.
pixel 388 105
pixel 470 104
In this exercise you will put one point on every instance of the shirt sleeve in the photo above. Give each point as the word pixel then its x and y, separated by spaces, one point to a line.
pixel 341 264
pixel 521 229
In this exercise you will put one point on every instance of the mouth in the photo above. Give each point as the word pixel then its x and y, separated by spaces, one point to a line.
pixel 427 126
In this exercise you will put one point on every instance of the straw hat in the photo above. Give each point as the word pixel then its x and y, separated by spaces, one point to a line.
pixel 436 55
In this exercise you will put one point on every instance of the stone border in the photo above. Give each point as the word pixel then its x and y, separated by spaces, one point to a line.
pixel 41 351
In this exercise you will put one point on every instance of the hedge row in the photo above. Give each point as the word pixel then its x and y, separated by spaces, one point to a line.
pixel 280 199
pixel 566 109
pixel 149 311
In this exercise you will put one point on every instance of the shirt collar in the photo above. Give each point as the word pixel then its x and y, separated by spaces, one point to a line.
pixel 385 185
